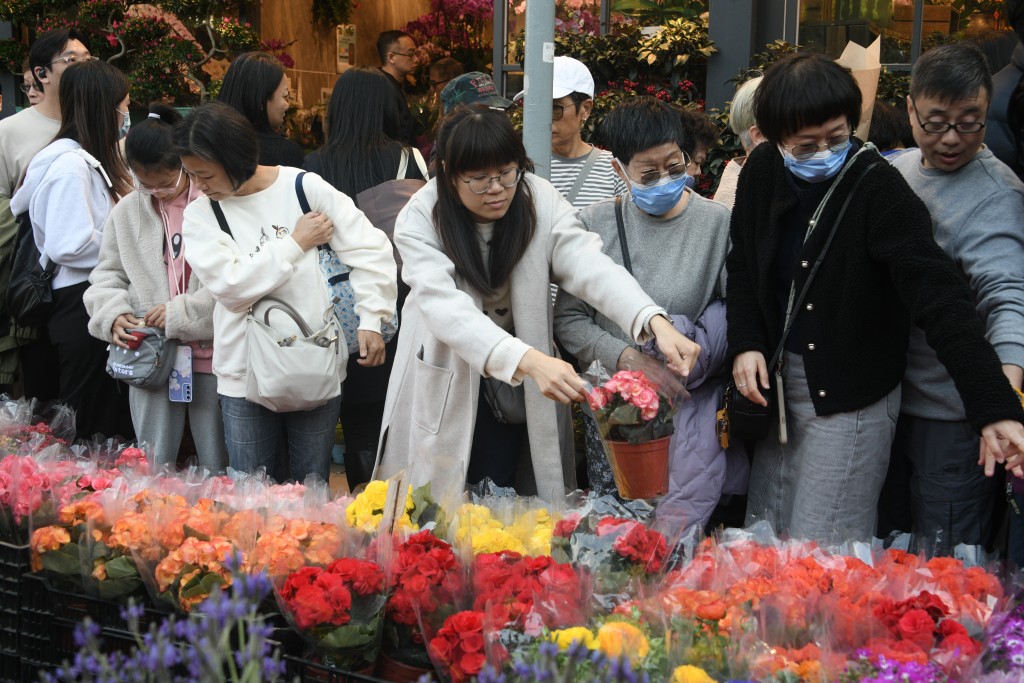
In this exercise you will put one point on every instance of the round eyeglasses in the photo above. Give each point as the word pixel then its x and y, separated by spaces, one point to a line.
pixel 481 184
pixel 806 150
pixel 159 191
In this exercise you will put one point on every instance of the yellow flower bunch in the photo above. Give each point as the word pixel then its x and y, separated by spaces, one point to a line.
pixel 367 511
pixel 690 674
pixel 529 534
pixel 577 634
pixel 619 638
pixel 534 528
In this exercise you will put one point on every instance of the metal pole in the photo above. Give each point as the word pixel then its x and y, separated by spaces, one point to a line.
pixel 500 40
pixel 538 77
pixel 915 35
pixel 7 81
pixel 606 16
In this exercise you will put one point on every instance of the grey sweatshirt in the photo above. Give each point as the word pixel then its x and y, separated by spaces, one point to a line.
pixel 678 263
pixel 977 214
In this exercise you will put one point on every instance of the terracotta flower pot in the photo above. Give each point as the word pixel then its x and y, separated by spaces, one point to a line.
pixel 640 469
pixel 389 669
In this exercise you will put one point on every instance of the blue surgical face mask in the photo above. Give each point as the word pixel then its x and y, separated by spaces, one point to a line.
pixel 820 167
pixel 689 180
pixel 126 123
pixel 658 199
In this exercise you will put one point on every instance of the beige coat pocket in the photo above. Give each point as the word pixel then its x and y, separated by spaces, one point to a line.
pixel 430 394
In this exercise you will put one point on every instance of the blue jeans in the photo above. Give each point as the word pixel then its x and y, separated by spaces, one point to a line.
pixel 292 445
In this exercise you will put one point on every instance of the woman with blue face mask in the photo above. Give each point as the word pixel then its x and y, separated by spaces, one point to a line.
pixel 674 243
pixel 832 259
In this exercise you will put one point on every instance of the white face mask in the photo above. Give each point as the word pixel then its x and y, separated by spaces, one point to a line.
pixel 126 123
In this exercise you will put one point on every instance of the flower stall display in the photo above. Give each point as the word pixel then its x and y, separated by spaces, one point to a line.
pixel 339 609
pixel 490 527
pixel 634 417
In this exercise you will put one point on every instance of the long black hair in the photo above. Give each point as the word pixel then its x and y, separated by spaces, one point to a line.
pixel 470 140
pixel 248 85
pixel 91 93
pixel 363 128
pixel 150 143
pixel 219 134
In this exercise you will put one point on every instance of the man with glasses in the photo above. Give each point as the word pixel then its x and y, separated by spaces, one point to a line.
pixel 976 204
pixel 21 137
pixel 398 60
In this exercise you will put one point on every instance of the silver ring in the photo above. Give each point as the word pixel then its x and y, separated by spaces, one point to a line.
pixel 741 385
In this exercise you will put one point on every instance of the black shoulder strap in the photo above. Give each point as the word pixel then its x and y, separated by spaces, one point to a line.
pixel 817 263
pixel 301 193
pixel 221 220
pixel 622 235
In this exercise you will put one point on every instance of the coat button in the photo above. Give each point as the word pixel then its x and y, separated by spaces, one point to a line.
pixel 822 393
pixel 804 264
pixel 810 347
pixel 810 307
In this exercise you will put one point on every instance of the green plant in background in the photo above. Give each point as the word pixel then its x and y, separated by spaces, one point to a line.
pixel 12 54
pixel 659 12
pixel 31 11
pixel 330 13
pixel 893 87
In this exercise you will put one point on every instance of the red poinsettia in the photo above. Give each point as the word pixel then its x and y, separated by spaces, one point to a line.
pixel 458 646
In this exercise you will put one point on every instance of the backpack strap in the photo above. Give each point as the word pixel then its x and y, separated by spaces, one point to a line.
pixel 221 220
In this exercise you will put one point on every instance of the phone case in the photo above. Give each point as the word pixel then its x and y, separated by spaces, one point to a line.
pixel 179 385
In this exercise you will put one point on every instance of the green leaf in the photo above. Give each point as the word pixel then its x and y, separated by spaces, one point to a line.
pixel 61 562
pixel 118 588
pixel 121 568
pixel 624 415
pixel 350 637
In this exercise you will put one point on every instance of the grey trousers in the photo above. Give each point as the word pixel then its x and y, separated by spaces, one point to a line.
pixel 824 484
pixel 160 423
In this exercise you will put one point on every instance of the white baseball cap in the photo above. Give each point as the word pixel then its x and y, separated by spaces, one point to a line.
pixel 570 75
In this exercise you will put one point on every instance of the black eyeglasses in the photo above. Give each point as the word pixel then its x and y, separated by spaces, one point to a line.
pixel 941 127
pixel 558 110
pixel 481 184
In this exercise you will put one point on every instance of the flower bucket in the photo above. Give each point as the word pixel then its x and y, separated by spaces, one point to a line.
pixel 389 669
pixel 640 469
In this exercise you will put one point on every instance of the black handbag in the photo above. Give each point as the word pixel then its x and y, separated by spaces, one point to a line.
pixel 29 291
pixel 741 418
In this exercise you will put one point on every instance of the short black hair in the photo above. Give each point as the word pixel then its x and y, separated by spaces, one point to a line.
pixel 384 42
pixel 638 124
pixel 150 143
pixel 951 73
pixel 219 134
pixel 804 89
pixel 698 129
pixel 890 127
pixel 48 46
pixel 249 84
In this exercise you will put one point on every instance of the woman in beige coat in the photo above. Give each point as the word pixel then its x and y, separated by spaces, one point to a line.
pixel 481 243
pixel 142 279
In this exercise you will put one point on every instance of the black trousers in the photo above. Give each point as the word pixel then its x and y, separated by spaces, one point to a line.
pixel 361 423
pixel 496 448
pixel 100 401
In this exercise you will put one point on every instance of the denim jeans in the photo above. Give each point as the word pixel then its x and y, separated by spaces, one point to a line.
pixel 824 483
pixel 292 445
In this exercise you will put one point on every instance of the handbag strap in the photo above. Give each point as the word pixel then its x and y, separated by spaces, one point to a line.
pixel 622 235
pixel 581 178
pixel 791 313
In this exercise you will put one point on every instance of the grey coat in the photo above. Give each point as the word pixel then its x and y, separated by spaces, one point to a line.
pixel 446 339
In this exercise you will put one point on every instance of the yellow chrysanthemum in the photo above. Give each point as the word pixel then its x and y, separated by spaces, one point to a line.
pixel 495 541
pixel 367 510
pixel 618 639
pixel 577 634
pixel 690 674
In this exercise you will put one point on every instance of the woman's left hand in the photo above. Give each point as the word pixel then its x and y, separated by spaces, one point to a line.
pixel 157 316
pixel 680 352
pixel 1003 442
pixel 371 349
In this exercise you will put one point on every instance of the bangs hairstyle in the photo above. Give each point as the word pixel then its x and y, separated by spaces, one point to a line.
pixel 363 128
pixel 91 93
pixel 249 84
pixel 471 140
pixel 639 124
pixel 950 73
pixel 801 90
pixel 150 143
pixel 217 133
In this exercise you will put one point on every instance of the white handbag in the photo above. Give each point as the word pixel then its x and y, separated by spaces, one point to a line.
pixel 288 372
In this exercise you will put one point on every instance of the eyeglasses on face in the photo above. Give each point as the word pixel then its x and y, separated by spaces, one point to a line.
pixel 481 184
pixel 806 150
pixel 942 127
pixel 652 178
pixel 146 189
pixel 28 87
pixel 404 54
pixel 72 59
pixel 558 110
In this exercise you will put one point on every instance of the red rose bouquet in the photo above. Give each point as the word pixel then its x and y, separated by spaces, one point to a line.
pixel 339 609
pixel 426 581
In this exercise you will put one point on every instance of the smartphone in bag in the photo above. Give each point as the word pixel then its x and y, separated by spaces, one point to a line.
pixel 179 385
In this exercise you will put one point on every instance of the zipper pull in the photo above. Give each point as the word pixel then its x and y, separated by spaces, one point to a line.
pixel 1011 499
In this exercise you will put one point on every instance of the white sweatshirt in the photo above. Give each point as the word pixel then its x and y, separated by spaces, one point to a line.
pixel 261 258
pixel 66 192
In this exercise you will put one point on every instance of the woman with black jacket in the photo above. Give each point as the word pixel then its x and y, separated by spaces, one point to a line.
pixel 842 361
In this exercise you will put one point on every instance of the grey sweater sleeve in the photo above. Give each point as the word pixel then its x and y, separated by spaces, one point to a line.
pixel 577 329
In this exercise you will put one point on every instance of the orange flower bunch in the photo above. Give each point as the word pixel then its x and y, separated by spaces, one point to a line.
pixel 47 539
pixel 132 533
pixel 188 574
pixel 84 511
pixel 293 545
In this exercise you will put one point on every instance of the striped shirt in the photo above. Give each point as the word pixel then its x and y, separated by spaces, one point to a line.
pixel 601 183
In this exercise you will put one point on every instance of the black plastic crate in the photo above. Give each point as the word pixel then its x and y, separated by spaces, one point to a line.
pixel 14 561
pixel 30 670
pixel 40 595
pixel 312 672
pixel 10 667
